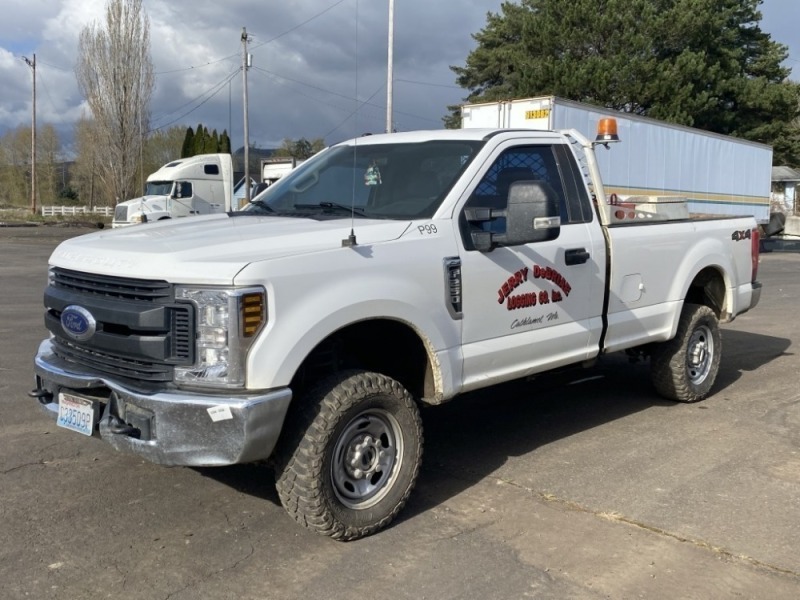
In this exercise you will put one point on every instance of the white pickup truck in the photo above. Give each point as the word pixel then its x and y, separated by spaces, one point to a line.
pixel 386 272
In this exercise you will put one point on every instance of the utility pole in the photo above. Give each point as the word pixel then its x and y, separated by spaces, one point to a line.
pixel 390 70
pixel 245 65
pixel 32 65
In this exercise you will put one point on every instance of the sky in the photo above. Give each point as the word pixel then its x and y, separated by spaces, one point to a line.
pixel 319 67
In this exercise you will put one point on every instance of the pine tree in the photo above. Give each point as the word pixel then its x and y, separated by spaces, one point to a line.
pixel 703 64
pixel 212 142
pixel 188 143
pixel 225 142
pixel 200 135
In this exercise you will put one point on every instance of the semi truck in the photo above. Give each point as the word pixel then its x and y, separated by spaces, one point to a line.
pixel 711 173
pixel 197 185
pixel 387 273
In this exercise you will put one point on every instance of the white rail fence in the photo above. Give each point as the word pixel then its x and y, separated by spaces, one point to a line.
pixel 51 211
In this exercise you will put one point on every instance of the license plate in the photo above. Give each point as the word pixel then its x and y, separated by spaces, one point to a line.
pixel 76 413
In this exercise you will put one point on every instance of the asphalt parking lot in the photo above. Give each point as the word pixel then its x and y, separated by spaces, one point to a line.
pixel 580 485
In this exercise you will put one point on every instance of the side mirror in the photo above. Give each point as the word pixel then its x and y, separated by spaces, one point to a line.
pixel 532 215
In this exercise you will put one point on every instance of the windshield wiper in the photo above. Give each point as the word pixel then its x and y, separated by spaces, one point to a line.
pixel 262 204
pixel 342 207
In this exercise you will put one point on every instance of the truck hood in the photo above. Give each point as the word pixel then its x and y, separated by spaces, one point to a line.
pixel 212 248
pixel 156 202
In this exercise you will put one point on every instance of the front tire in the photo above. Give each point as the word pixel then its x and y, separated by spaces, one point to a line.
pixel 685 367
pixel 351 455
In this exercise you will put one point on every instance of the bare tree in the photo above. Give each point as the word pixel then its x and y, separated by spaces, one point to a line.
pixel 163 146
pixel 85 172
pixel 115 74
pixel 15 175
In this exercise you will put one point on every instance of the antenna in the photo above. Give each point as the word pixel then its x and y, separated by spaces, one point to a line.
pixel 350 241
pixel 390 70
pixel 246 62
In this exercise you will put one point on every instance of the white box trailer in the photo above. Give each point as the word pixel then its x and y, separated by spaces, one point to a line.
pixel 275 167
pixel 716 174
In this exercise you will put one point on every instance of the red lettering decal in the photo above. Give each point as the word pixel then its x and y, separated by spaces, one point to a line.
pixel 501 297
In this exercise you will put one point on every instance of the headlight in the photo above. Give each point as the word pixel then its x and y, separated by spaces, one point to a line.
pixel 227 322
pixel 137 218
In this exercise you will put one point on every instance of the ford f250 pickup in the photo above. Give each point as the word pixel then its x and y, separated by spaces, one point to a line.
pixel 385 273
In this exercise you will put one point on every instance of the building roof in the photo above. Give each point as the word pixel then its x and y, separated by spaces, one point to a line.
pixel 785 174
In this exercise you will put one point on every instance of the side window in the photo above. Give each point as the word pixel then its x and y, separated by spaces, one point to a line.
pixel 186 189
pixel 525 163
pixel 579 206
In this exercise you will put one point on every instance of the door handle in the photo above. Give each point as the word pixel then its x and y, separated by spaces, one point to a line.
pixel 576 256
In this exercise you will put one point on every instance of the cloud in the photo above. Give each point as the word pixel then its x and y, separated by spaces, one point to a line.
pixel 319 68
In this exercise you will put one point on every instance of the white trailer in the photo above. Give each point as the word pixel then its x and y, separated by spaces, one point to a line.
pixel 716 174
pixel 274 168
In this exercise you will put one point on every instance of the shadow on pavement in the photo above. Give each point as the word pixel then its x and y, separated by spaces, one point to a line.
pixel 476 433
pixel 743 351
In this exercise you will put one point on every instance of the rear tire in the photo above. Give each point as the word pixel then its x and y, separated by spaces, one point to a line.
pixel 351 455
pixel 685 368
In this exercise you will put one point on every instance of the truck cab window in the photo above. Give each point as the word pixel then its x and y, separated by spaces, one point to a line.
pixel 184 189
pixel 404 180
pixel 523 163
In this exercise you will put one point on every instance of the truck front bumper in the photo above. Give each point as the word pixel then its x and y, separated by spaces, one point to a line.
pixel 168 427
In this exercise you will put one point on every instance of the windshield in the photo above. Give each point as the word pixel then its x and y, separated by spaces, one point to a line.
pixel 384 181
pixel 158 188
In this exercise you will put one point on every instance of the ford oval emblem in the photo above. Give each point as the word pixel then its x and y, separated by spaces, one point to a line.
pixel 78 323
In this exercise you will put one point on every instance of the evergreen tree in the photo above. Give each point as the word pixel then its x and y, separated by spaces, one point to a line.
pixel 188 143
pixel 225 142
pixel 212 143
pixel 703 64
pixel 199 139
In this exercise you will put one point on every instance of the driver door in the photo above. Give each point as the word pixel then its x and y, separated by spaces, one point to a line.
pixel 535 306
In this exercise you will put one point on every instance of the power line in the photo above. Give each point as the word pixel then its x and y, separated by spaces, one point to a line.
pixel 265 71
pixel 208 91
pixel 236 55
pixel 212 92
pixel 316 98
pixel 211 62
pixel 441 85
pixel 296 27
pixel 56 67
pixel 352 114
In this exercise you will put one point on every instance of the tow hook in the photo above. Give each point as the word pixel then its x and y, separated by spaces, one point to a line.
pixel 43 396
pixel 119 427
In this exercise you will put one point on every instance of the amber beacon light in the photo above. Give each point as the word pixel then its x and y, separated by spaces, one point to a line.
pixel 606 131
